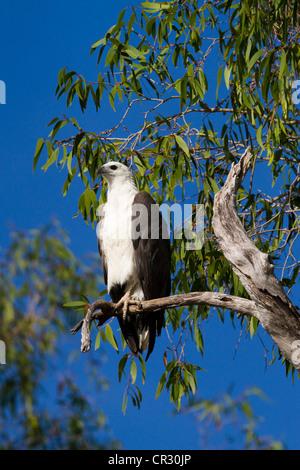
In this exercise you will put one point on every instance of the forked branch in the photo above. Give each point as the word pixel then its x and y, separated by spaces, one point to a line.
pixel 276 313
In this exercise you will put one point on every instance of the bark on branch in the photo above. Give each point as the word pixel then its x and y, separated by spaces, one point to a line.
pixel 276 313
pixel 102 310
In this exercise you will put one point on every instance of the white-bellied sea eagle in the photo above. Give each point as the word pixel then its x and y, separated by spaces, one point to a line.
pixel 135 253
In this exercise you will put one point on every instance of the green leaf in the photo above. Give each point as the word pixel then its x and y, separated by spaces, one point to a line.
pixel 143 366
pixel 52 158
pixel 38 150
pixel 112 96
pixel 133 371
pixel 98 43
pixel 9 311
pixel 199 339
pixel 121 366
pixel 120 18
pixel 253 326
pixel 203 82
pixel 77 305
pixel 282 69
pixel 254 59
pixel 259 137
pixel 57 127
pixel 97 341
pixel 110 57
pixel 61 75
pixel 72 173
pixel 140 164
pixel 90 199
pixel 110 336
pixel 75 123
pixel 179 140
pixel 183 91
pixel 79 89
pixel 161 384
pixel 133 52
pixel 219 79
pixel 125 401
pixel 131 22
pixel 227 73
pixel 137 396
pixel 69 163
pixel 151 6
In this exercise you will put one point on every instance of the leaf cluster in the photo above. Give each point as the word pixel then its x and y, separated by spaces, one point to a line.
pixel 180 380
pixel 188 85
pixel 40 409
pixel 235 418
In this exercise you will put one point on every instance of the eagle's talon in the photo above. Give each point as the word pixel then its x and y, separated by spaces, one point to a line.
pixel 125 310
pixel 124 303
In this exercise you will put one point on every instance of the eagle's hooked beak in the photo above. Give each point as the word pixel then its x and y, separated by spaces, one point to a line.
pixel 101 170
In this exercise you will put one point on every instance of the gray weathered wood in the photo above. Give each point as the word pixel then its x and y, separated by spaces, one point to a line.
pixel 102 310
pixel 276 313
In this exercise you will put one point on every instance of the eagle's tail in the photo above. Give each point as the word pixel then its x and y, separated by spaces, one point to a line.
pixel 140 332
pixel 129 332
pixel 149 326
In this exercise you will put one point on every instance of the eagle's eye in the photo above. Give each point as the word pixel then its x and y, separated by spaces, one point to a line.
pixel 113 167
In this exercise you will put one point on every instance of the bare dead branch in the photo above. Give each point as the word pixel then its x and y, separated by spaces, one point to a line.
pixel 102 310
pixel 276 313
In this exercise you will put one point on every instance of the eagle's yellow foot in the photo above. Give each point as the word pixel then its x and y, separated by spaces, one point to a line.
pixel 124 303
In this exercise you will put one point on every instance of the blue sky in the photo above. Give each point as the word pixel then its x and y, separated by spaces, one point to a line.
pixel 37 40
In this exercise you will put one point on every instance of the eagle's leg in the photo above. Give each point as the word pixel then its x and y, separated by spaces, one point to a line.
pixel 124 303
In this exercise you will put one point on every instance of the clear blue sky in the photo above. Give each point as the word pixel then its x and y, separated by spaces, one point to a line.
pixel 38 38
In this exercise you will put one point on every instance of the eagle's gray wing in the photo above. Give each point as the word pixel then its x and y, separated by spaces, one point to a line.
pixel 153 261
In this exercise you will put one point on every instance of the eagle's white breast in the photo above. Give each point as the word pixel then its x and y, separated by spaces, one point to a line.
pixel 114 233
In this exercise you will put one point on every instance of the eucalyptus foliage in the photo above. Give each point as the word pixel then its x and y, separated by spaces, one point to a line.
pixel 236 418
pixel 191 85
pixel 41 407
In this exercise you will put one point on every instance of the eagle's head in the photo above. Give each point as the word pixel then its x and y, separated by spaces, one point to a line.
pixel 115 173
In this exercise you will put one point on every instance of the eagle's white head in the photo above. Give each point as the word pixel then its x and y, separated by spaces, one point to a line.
pixel 117 175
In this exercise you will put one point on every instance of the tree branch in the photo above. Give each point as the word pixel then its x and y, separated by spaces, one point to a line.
pixel 102 310
pixel 276 313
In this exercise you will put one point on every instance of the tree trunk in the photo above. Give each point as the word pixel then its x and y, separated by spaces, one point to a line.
pixel 277 315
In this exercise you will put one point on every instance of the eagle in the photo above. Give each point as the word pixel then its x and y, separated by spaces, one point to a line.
pixel 135 252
